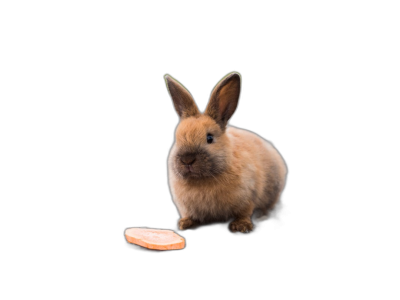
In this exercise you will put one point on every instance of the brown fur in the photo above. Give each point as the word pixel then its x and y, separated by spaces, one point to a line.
pixel 236 174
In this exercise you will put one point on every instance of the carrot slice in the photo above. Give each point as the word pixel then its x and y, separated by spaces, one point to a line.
pixel 157 239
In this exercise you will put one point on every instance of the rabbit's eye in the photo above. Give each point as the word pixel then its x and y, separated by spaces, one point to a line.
pixel 210 138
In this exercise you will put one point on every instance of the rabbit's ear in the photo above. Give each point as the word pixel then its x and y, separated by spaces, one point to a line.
pixel 224 99
pixel 183 100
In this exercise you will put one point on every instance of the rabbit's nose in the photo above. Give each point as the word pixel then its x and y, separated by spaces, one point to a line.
pixel 188 159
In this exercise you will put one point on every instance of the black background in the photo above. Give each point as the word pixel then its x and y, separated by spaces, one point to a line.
pixel 124 125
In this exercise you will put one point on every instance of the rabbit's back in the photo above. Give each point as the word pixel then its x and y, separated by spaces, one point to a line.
pixel 260 165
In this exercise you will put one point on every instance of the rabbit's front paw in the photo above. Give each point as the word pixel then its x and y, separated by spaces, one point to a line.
pixel 186 223
pixel 241 225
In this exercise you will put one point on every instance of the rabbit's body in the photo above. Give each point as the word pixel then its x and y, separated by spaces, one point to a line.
pixel 226 176
pixel 254 178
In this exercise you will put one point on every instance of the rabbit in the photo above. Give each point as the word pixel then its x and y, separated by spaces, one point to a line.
pixel 218 172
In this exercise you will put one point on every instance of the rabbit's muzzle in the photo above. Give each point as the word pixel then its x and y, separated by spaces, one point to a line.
pixel 196 163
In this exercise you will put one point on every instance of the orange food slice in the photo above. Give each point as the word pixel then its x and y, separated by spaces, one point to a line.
pixel 157 239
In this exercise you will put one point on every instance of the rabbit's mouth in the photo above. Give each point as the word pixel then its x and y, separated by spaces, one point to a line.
pixel 189 171
pixel 185 171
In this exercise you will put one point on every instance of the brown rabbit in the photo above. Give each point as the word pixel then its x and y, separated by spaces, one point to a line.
pixel 216 172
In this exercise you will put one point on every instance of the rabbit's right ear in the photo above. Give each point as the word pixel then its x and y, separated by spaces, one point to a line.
pixel 183 100
pixel 224 99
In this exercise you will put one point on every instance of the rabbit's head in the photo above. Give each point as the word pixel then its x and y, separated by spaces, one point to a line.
pixel 202 148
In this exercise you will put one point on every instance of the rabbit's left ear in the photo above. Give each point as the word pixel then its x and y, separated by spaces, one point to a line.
pixel 183 100
pixel 224 99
